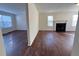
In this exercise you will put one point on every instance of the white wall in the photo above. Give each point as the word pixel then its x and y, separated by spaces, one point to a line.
pixel 2 49
pixel 58 16
pixel 22 18
pixel 75 51
pixel 33 22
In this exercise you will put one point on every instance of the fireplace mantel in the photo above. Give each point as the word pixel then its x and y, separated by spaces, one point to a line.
pixel 60 21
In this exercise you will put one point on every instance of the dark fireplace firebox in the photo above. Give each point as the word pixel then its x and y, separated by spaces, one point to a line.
pixel 60 27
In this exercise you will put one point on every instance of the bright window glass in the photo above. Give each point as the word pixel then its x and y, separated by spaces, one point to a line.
pixel 50 20
pixel 0 22
pixel 6 21
pixel 74 21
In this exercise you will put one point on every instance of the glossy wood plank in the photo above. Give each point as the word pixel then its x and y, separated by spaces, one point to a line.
pixel 48 43
pixel 15 43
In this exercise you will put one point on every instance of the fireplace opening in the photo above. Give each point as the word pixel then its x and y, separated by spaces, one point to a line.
pixel 60 27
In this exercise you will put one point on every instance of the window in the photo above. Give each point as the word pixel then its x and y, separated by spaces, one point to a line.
pixel 50 20
pixel 0 22
pixel 74 21
pixel 5 21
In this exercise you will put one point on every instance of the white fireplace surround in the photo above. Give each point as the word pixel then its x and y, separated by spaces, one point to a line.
pixel 69 27
pixel 60 21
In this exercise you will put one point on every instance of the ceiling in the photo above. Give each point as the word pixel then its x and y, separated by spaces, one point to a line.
pixel 14 8
pixel 56 7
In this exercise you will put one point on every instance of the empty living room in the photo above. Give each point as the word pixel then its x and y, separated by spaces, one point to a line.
pixel 52 27
pixel 39 29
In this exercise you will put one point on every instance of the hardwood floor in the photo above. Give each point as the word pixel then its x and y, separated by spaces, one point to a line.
pixel 52 44
pixel 15 43
pixel 46 43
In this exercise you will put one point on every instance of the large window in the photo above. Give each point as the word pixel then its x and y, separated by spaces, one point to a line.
pixel 74 20
pixel 50 20
pixel 6 21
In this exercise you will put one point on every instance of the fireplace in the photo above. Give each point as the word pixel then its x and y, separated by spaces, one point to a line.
pixel 60 27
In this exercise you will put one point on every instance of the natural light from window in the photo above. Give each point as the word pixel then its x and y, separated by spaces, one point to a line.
pixel 50 20
pixel 5 21
pixel 74 21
